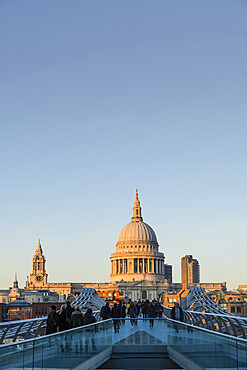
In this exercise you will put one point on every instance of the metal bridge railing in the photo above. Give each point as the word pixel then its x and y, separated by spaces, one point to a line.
pixel 13 331
pixel 22 329
pixel 192 346
pixel 223 323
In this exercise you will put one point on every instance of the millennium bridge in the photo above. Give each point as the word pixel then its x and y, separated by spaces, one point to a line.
pixel 210 338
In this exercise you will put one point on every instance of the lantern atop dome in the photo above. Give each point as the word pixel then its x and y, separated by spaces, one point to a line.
pixel 137 216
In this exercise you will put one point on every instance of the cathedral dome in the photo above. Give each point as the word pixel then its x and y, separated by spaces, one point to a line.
pixel 137 255
pixel 137 231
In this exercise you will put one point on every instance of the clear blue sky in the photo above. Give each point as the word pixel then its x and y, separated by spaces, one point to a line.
pixel 99 98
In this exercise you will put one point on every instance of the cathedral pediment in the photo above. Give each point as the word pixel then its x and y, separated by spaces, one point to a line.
pixel 144 282
pixel 141 283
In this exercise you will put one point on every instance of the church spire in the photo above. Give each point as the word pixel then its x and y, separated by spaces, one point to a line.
pixel 137 216
pixel 15 283
pixel 39 249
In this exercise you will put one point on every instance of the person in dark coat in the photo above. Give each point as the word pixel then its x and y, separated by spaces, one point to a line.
pixel 160 310
pixel 69 311
pixel 115 314
pixel 122 312
pixel 63 325
pixel 177 314
pixel 52 321
pixel 77 320
pixel 107 312
pixel 64 316
pixel 145 309
pixel 89 319
pixel 62 320
pixel 152 313
pixel 132 313
pixel 139 307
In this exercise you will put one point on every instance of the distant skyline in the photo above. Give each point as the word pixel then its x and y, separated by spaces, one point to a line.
pixel 100 98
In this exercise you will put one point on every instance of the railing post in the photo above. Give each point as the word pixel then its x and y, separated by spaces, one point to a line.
pixel 4 333
pixel 17 331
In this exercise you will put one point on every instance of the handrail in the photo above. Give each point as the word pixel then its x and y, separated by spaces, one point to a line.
pixel 231 323
pixel 52 335
pixel 88 298
pixel 22 328
pixel 197 348
pixel 211 313
pixel 21 321
pixel 208 331
pixel 126 318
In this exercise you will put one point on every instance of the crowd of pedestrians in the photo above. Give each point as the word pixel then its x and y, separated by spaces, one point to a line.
pixel 142 309
pixel 62 320
pixel 69 318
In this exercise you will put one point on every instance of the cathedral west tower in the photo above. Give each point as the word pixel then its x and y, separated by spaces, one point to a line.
pixel 137 255
pixel 38 277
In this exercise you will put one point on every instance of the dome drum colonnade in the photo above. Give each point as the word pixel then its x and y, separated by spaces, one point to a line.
pixel 137 265
pixel 137 254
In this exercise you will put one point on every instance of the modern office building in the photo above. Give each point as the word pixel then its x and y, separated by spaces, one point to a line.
pixel 190 270
pixel 168 272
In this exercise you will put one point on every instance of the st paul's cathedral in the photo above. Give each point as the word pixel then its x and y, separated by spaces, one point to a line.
pixel 137 265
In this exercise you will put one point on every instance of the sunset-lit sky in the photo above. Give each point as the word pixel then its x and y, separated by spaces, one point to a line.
pixel 99 98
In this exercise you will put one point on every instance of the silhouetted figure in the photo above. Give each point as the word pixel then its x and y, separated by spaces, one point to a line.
pixel 106 312
pixel 132 313
pixel 160 311
pixel 122 312
pixel 90 319
pixel 64 324
pixel 152 313
pixel 69 311
pixel 77 320
pixel 145 309
pixel 52 321
pixel 115 313
pixel 177 314
pixel 62 320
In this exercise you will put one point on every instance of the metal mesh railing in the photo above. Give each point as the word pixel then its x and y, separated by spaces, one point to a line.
pixel 12 331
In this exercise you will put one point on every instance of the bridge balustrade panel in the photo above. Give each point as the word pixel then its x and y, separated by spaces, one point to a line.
pixel 64 350
pixel 74 347
pixel 206 348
